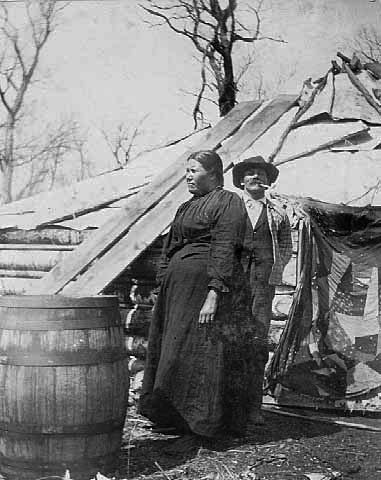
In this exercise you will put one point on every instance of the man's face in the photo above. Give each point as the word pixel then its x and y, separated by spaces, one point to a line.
pixel 253 179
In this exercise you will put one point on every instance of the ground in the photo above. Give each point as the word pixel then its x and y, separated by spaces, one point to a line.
pixel 285 448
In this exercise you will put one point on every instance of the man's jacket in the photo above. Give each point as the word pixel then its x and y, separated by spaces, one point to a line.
pixel 280 229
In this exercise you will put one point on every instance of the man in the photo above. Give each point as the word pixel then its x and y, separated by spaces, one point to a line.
pixel 267 250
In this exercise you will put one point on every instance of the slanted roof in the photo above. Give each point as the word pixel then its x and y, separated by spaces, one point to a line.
pixel 89 203
pixel 325 141
pixel 332 152
pixel 124 236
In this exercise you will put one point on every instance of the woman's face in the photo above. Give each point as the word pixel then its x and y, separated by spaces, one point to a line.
pixel 199 180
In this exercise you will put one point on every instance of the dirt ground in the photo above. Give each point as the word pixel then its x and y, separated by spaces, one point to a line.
pixel 285 448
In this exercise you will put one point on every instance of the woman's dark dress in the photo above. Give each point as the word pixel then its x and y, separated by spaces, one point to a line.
pixel 197 375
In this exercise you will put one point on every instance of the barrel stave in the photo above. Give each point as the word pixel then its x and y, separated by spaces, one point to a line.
pixel 64 392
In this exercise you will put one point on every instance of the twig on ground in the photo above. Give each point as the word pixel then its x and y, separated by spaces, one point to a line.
pixel 51 477
pixel 162 471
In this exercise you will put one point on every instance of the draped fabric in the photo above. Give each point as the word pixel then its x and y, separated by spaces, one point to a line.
pixel 331 345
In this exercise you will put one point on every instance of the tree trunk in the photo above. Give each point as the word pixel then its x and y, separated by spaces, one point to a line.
pixel 6 170
pixel 227 95
pixel 6 184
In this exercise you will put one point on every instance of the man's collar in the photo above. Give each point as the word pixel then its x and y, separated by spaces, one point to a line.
pixel 247 198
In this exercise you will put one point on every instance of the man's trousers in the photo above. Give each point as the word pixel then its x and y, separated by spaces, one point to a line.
pixel 262 295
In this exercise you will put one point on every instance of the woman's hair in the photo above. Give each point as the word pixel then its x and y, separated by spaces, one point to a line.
pixel 211 162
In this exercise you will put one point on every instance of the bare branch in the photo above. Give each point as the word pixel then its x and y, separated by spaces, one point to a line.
pixel 4 100
pixel 44 158
pixel 21 50
pixel 204 98
pixel 123 141
pixel 373 189
pixel 197 113
pixel 171 143
pixel 213 26
pixel 367 43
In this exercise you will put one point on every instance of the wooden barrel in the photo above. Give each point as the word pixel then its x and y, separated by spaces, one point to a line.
pixel 63 385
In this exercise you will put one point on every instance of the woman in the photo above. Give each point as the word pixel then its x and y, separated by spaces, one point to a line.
pixel 197 366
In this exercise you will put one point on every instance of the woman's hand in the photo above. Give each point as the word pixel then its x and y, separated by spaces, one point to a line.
pixel 209 308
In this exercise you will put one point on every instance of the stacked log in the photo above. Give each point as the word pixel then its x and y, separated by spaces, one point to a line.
pixel 140 277
pixel 26 255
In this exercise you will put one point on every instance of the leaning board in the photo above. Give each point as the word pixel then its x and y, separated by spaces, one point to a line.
pixel 154 222
pixel 147 198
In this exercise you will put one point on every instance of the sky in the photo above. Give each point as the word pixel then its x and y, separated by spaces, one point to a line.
pixel 104 65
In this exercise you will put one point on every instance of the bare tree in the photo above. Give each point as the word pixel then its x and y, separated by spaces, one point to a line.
pixel 40 159
pixel 214 27
pixel 368 44
pixel 122 141
pixel 20 53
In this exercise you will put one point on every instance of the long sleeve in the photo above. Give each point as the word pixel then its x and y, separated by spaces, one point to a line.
pixel 164 258
pixel 170 242
pixel 226 235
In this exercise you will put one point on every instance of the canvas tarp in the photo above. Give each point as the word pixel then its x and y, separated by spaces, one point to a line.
pixel 331 345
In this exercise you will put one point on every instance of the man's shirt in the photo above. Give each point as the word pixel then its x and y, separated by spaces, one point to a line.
pixel 254 208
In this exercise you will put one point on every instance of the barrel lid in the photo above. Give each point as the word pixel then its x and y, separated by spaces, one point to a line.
pixel 58 301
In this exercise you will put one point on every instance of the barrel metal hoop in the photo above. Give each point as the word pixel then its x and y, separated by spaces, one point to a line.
pixel 43 359
pixel 58 301
pixel 24 466
pixel 28 323
pixel 53 430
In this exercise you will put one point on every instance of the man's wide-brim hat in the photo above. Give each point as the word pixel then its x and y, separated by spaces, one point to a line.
pixel 257 162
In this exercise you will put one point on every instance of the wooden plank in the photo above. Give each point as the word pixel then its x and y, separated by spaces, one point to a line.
pixel 349 102
pixel 144 232
pixel 258 125
pixel 264 146
pixel 16 286
pixel 35 246
pixel 43 260
pixel 70 202
pixel 51 217
pixel 43 236
pixel 79 199
pixel 361 87
pixel 320 419
pixel 146 199
pixel 22 273
pixel 138 238
pixel 307 140
pixel 365 142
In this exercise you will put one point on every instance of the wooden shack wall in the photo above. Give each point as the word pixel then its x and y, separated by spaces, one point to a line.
pixel 27 255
